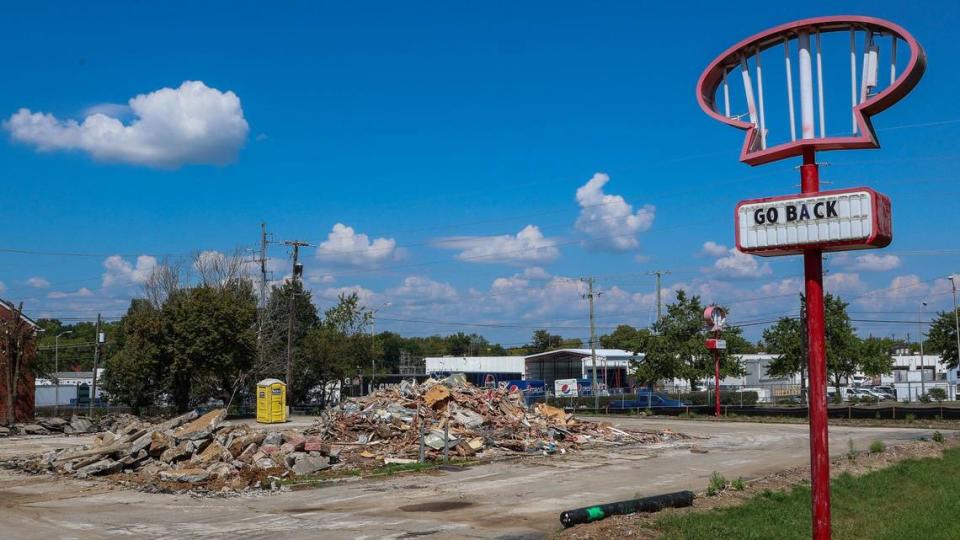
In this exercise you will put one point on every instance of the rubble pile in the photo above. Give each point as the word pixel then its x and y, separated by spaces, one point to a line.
pixel 385 427
pixel 183 452
pixel 202 453
pixel 76 425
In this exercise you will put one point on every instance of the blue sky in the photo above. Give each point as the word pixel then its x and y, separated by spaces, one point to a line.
pixel 441 133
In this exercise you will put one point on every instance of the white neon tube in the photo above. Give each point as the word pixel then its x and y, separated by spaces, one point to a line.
pixel 793 119
pixel 763 123
pixel 748 90
pixel 806 87
pixel 823 121
pixel 853 79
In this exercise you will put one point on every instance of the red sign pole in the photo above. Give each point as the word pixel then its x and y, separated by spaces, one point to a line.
pixel 716 377
pixel 819 447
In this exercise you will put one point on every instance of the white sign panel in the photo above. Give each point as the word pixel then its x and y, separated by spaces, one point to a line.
pixel 845 219
pixel 565 387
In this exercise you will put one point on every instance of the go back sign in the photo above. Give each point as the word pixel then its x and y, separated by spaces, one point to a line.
pixel 839 220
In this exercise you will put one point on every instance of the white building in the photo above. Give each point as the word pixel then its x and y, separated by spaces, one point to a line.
pixel 612 365
pixel 480 370
pixel 914 375
pixel 48 393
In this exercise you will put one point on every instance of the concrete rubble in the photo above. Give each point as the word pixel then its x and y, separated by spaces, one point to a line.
pixel 479 422
pixel 202 453
pixel 74 426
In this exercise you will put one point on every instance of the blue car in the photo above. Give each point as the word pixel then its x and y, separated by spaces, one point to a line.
pixel 645 399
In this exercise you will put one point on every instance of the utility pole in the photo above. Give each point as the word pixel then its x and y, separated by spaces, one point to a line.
pixel 96 361
pixel 295 280
pixel 593 342
pixel 923 384
pixel 956 315
pixel 261 313
pixel 659 274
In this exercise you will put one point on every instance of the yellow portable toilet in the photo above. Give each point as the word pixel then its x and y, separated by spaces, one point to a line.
pixel 271 401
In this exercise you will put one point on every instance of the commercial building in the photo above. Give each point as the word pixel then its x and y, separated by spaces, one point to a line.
pixel 479 370
pixel 612 365
pixel 74 386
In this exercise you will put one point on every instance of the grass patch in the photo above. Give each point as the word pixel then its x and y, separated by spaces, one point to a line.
pixel 717 484
pixel 877 446
pixel 912 499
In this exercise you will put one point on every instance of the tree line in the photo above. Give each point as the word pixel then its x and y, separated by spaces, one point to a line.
pixel 200 333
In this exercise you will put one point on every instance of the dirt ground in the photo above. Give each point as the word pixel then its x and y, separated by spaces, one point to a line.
pixel 508 499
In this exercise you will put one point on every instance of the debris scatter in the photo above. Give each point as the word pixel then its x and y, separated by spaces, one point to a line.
pixel 203 453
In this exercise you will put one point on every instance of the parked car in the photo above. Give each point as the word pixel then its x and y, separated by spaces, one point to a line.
pixel 881 396
pixel 646 399
pixel 888 391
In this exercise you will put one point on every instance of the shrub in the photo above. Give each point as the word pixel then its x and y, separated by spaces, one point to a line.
pixel 938 437
pixel 717 484
pixel 877 446
pixel 925 398
pixel 938 394
pixel 737 484
pixel 910 417
pixel 851 451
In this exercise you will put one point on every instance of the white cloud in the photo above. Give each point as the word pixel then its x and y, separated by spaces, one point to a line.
pixel 535 272
pixel 366 296
pixel 908 290
pixel 527 246
pixel 782 287
pixel 347 247
pixel 192 124
pixel 321 278
pixel 82 292
pixel 608 220
pixel 713 249
pixel 420 289
pixel 875 263
pixel 38 282
pixel 120 273
pixel 843 282
pixel 732 263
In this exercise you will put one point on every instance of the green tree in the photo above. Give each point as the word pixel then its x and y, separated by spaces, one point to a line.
pixel 942 337
pixel 875 355
pixel 627 338
pixel 290 307
pixel 197 345
pixel 678 349
pixel 209 336
pixel 843 345
pixel 136 373
pixel 336 348
pixel 785 339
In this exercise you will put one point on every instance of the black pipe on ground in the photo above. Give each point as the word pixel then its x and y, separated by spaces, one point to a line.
pixel 654 503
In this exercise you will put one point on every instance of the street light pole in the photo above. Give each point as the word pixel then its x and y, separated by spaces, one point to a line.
pixel 923 385
pixel 956 316
pixel 373 343
pixel 56 372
